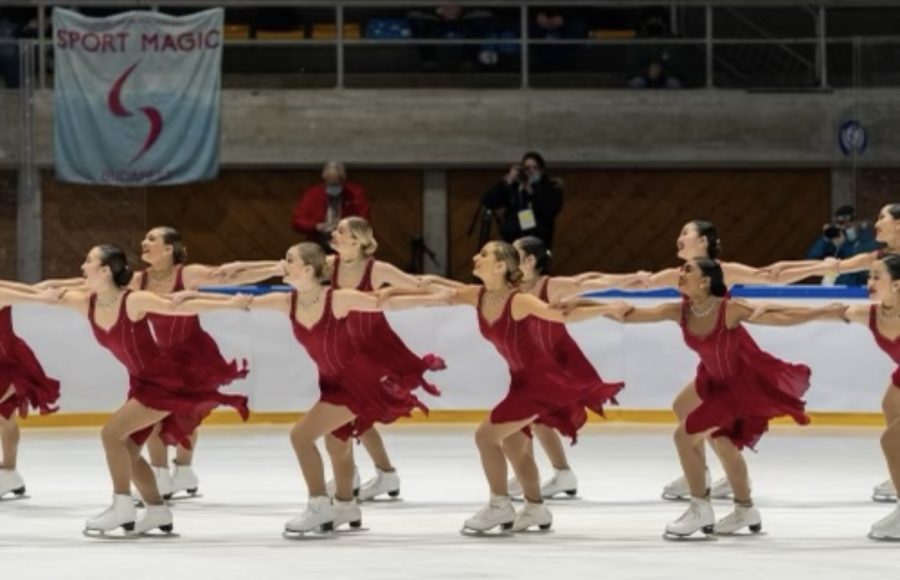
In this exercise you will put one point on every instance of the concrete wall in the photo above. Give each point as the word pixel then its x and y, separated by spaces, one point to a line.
pixel 446 128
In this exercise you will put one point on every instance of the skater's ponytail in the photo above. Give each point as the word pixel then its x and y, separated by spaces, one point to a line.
pixel 507 254
pixel 312 255
pixel 713 271
pixel 707 230
pixel 172 237
pixel 115 259
pixel 362 232
pixel 534 246
pixel 892 265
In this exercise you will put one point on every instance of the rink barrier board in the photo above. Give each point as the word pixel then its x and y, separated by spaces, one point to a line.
pixel 449 416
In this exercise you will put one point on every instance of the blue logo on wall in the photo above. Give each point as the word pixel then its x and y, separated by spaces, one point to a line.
pixel 852 138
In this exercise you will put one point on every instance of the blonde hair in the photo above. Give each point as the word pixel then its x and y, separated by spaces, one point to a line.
pixel 363 233
pixel 508 254
pixel 338 167
pixel 312 255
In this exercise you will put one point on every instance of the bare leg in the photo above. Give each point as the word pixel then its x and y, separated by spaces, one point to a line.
pixel 142 475
pixel 9 433
pixel 156 449
pixel 693 462
pixel 374 445
pixel 686 401
pixel 735 469
pixel 183 455
pixel 322 418
pixel 131 417
pixel 341 454
pixel 552 445
pixel 489 438
pixel 890 439
pixel 515 447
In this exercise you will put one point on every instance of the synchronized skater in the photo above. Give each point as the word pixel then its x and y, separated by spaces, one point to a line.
pixel 367 375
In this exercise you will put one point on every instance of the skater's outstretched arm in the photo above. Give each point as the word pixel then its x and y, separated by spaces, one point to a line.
pixel 667 311
pixel 12 295
pixel 345 301
pixel 525 305
pixel 776 314
pixel 385 274
pixel 141 303
pixel 196 275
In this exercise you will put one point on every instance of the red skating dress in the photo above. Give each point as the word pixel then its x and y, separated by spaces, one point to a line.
pixel 349 374
pixel 741 387
pixel 159 380
pixel 383 343
pixel 20 369
pixel 554 337
pixel 539 386
pixel 891 347
pixel 187 342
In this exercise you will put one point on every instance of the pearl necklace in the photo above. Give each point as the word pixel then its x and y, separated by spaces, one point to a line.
pixel 160 276
pixel 702 313
pixel 496 299
pixel 887 318
pixel 99 303
pixel 308 303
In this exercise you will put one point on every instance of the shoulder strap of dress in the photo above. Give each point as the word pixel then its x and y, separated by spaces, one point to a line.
pixel 92 303
pixel 179 278
pixel 335 268
pixel 293 312
pixel 143 279
pixel 366 281
pixel 873 321
pixel 123 306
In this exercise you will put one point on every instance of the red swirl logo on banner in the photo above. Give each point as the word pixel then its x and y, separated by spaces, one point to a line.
pixel 114 100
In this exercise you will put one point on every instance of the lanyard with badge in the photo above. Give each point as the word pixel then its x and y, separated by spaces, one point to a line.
pixel 526 214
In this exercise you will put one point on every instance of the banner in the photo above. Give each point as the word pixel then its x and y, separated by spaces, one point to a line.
pixel 136 97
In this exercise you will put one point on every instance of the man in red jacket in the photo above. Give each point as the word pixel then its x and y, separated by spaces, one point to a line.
pixel 323 205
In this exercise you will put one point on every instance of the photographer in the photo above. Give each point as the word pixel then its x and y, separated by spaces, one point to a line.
pixel 530 200
pixel 842 239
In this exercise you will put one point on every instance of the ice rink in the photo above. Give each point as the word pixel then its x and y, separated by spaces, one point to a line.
pixel 812 485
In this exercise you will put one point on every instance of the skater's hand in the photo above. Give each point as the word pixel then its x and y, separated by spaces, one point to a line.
pixel 243 301
pixel 619 310
pixel 182 296
pixel 759 310
pixel 51 295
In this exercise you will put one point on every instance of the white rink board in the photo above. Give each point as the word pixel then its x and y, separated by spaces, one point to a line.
pixel 849 371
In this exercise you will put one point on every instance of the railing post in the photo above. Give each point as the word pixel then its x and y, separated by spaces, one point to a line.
pixel 339 49
pixel 523 33
pixel 709 47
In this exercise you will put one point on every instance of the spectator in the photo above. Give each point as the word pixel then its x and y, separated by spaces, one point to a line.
pixel 553 23
pixel 529 198
pixel 655 77
pixel 451 21
pixel 842 239
pixel 323 205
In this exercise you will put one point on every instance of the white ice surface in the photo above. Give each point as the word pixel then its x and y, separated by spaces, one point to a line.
pixel 812 486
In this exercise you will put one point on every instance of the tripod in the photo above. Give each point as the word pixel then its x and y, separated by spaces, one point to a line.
pixel 485 219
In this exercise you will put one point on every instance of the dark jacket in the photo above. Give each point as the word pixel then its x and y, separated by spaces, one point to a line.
pixel 545 199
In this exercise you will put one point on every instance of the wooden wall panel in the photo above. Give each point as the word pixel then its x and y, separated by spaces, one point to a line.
pixel 875 189
pixel 622 220
pixel 241 215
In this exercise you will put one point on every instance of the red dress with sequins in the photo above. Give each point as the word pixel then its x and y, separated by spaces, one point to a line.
pixel 349 374
pixel 540 386
pixel 741 387
pixel 20 369
pixel 554 338
pixel 159 380
pixel 891 347
pixel 184 339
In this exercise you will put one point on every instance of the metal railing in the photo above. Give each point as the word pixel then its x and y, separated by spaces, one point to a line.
pixel 717 60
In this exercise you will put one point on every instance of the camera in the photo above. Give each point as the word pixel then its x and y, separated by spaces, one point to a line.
pixel 521 176
pixel 832 231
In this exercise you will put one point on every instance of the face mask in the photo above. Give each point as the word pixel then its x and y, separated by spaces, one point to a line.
pixel 850 234
pixel 334 190
pixel 535 177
